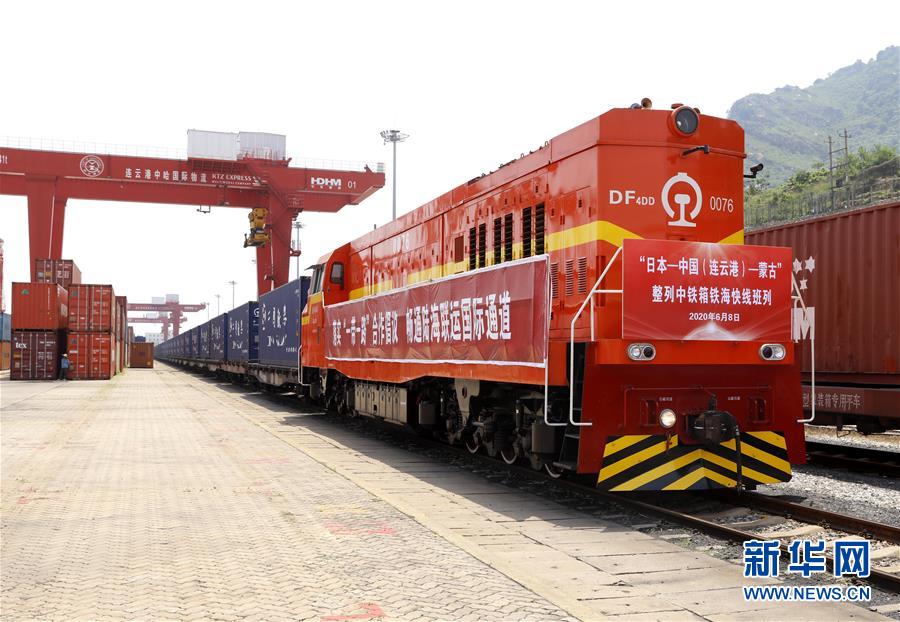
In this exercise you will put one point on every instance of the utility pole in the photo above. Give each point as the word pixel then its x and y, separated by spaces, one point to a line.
pixel 846 136
pixel 232 283
pixel 843 164
pixel 831 172
pixel 394 136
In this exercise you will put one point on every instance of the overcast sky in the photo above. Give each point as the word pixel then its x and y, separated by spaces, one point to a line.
pixel 474 84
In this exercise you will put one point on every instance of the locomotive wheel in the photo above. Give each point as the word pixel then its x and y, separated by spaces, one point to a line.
pixel 473 444
pixel 553 471
pixel 510 454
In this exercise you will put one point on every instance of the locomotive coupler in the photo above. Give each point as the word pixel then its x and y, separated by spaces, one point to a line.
pixel 713 427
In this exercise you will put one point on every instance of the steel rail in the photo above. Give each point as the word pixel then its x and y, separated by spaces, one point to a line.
pixel 818 516
pixel 854 458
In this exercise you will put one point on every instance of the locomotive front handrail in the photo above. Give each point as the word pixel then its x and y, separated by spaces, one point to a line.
pixel 588 299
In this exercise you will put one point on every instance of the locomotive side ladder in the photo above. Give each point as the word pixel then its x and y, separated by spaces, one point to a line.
pixel 568 454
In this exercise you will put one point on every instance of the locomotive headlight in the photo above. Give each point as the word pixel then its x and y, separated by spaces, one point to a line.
pixel 772 352
pixel 641 352
pixel 686 120
pixel 667 418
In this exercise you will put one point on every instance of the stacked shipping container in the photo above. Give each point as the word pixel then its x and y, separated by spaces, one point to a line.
pixel 92 356
pixel 35 355
pixel 121 332
pixel 96 324
pixel 38 324
pixel 60 271
pixel 58 302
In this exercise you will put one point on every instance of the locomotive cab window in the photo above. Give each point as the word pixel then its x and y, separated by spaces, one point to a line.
pixel 316 281
pixel 337 274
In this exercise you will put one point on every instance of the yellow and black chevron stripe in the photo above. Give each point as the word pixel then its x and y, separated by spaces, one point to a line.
pixel 653 462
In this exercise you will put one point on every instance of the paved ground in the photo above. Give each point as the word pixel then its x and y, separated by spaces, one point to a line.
pixel 160 495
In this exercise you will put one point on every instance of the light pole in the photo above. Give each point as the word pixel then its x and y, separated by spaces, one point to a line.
pixel 394 136
pixel 297 227
pixel 218 306
pixel 232 283
pixel 207 309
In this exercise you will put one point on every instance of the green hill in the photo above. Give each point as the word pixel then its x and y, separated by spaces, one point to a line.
pixel 788 129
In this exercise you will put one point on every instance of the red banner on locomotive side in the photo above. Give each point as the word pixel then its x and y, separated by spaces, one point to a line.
pixel 496 316
pixel 706 292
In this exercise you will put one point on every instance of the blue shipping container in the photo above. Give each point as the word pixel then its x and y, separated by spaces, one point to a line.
pixel 218 337
pixel 279 323
pixel 203 352
pixel 5 333
pixel 243 334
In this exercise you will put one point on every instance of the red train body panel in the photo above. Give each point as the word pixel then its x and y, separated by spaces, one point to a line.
pixel 627 174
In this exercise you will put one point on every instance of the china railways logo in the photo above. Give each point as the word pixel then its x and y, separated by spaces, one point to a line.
pixel 91 166
pixel 682 199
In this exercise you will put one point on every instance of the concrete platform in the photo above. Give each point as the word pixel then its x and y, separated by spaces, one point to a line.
pixel 160 495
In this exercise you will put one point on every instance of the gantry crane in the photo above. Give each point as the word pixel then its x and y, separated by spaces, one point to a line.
pixel 170 314
pixel 274 191
pixel 162 319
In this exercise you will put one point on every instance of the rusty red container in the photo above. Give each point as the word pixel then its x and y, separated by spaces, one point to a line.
pixel 39 306
pixel 92 356
pixel 92 308
pixel 35 355
pixel 141 355
pixel 847 268
pixel 61 271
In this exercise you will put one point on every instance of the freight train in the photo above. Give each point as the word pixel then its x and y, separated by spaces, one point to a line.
pixel 588 308
pixel 847 265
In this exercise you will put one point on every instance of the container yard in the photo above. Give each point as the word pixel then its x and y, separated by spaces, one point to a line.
pixel 349 348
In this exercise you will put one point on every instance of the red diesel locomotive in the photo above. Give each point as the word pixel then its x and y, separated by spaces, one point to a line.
pixel 589 308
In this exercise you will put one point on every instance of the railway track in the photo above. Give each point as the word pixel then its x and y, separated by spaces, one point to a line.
pixel 854 458
pixel 841 522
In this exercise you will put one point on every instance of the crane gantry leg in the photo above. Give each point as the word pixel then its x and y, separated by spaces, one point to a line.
pixel 273 259
pixel 59 221
pixel 46 216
